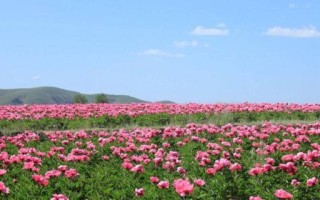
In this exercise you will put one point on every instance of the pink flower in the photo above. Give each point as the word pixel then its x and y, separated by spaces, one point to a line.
pixel 28 165
pixel 199 182
pixel 3 172
pixel 312 181
pixel 255 198
pixel 139 192
pixel 181 170
pixel 157 161
pixel 270 161
pixel 282 194
pixel 211 171
pixel 237 155
pixel 154 179
pixel 183 187
pixel 105 157
pixel 137 168
pixel 235 167
pixel 65 142
pixel 59 197
pixel 52 173
pixel 287 158
pixel 295 182
pixel 163 184
pixel 227 144
pixel 256 171
pixel 63 168
pixel 166 145
pixel 78 144
pixel 289 168
pixel 127 165
pixel 3 188
pixel 71 173
pixel 40 179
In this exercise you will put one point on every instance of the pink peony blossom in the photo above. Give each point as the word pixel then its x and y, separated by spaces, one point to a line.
pixel 282 194
pixel 312 181
pixel 52 173
pixel 71 173
pixel 235 167
pixel 157 161
pixel 3 172
pixel 256 171
pixel 127 165
pixel 139 192
pixel 199 182
pixel 105 157
pixel 211 171
pixel 40 179
pixel 3 188
pixel 163 184
pixel 295 182
pixel 59 197
pixel 154 179
pixel 255 198
pixel 137 169
pixel 289 168
pixel 63 168
pixel 183 187
pixel 181 170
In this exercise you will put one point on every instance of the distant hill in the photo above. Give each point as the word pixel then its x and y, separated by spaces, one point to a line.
pixel 53 95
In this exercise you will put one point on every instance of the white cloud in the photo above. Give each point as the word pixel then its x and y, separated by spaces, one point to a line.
pixel 184 44
pixel 220 31
pixel 36 77
pixel 308 32
pixel 160 53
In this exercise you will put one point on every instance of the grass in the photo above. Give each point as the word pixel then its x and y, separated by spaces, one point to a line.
pixel 155 120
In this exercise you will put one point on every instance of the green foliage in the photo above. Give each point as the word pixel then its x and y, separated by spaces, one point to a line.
pixel 154 120
pixel 17 101
pixel 101 98
pixel 80 98
pixel 160 119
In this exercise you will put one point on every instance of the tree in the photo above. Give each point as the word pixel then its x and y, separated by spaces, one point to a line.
pixel 80 98
pixel 101 98
pixel 17 101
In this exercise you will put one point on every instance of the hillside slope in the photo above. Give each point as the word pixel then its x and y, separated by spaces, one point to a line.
pixel 52 95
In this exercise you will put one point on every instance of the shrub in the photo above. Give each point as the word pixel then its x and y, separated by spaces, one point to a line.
pixel 101 98
pixel 80 98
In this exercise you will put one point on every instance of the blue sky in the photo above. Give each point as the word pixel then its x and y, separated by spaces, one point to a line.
pixel 201 51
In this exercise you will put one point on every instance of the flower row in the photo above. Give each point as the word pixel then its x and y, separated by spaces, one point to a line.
pixel 96 110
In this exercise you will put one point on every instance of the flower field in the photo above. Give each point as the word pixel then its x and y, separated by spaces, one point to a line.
pixel 188 160
pixel 71 111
